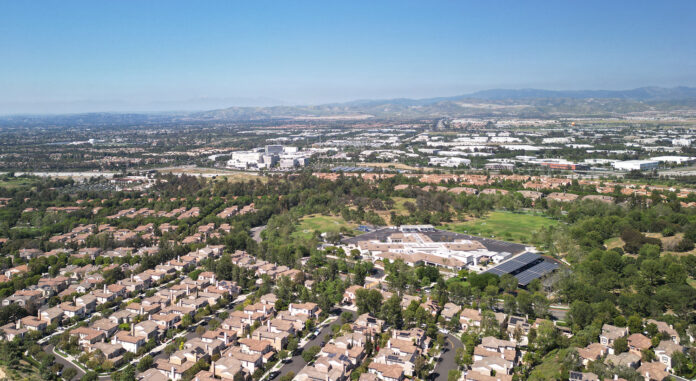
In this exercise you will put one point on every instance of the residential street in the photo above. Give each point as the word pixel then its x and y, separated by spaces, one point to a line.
pixel 446 362
pixel 297 362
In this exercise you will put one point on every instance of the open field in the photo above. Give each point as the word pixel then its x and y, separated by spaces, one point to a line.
pixel 15 182
pixel 321 223
pixel 668 243
pixel 614 242
pixel 230 175
pixel 515 227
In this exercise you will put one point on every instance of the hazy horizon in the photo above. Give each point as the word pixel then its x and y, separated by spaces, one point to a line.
pixel 174 56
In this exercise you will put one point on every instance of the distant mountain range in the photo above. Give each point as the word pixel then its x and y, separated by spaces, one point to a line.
pixel 524 103
pixel 488 103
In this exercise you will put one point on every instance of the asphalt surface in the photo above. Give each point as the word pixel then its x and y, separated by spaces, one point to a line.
pixel 66 364
pixel 446 362
pixel 297 362
pixel 256 233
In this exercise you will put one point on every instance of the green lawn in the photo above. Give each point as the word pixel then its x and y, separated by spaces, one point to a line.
pixel 550 367
pixel 399 204
pixel 15 182
pixel 322 223
pixel 516 227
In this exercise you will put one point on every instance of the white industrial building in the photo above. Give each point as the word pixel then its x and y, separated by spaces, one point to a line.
pixel 636 165
pixel 451 162
pixel 673 159
pixel 268 156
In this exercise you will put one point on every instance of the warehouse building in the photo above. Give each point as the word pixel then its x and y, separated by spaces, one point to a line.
pixel 636 165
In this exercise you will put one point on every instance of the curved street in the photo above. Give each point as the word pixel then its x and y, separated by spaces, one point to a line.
pixel 446 362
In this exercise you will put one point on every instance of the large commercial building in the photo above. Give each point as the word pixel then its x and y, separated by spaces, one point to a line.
pixel 423 244
pixel 636 165
pixel 268 157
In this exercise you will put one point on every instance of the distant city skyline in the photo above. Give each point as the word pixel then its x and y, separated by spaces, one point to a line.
pixel 81 56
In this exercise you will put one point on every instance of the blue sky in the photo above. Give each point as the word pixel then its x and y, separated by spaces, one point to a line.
pixel 74 56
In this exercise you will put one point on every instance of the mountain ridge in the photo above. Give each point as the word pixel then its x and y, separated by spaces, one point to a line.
pixel 525 103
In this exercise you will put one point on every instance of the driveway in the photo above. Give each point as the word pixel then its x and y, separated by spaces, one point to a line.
pixel 446 362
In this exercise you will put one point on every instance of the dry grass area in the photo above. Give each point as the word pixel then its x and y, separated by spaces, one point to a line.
pixel 667 243
pixel 230 175
pixel 613 243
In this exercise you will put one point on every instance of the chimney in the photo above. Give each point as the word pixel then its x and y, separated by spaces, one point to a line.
pixel 105 288
pixel 268 324
pixel 19 323
pixel 187 289
pixel 172 373
pixel 226 343
pixel 132 329
pixel 141 310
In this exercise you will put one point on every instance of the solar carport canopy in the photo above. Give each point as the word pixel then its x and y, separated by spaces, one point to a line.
pixel 525 267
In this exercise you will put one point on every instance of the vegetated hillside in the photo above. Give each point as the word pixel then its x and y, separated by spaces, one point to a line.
pixel 489 103
pixel 524 103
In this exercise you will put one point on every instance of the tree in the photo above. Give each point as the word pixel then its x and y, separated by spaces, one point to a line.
pixel 309 353
pixel 399 275
pixel 453 375
pixel 635 324
pixel 90 376
pixel 509 304
pixel 540 305
pixel 145 363
pixel 620 345
pixel 508 283
pixel 546 338
pixel 69 373
pixel 580 313
pixel 346 316
pixel 368 301
pixel 186 320
pixel 391 312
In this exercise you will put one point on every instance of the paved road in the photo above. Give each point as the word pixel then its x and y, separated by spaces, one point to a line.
pixel 297 362
pixel 256 233
pixel 446 362
pixel 66 364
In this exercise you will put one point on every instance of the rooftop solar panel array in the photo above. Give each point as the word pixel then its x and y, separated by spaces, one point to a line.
pixel 525 267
